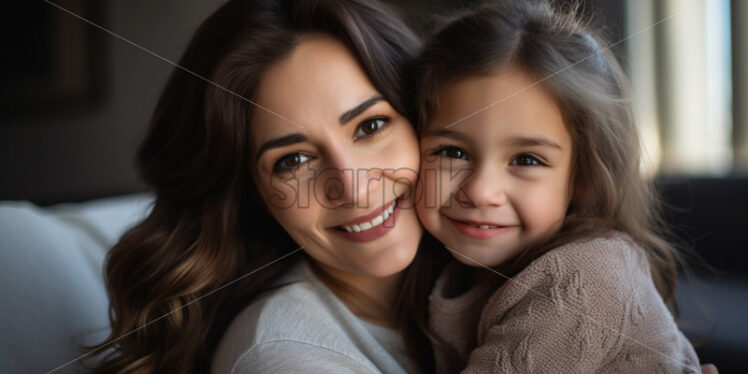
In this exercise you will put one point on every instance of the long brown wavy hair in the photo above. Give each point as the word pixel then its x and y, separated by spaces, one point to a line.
pixel 575 66
pixel 208 225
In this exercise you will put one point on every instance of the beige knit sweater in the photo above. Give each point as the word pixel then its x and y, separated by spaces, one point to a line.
pixel 586 307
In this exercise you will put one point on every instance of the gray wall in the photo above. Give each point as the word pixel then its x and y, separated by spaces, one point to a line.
pixel 90 152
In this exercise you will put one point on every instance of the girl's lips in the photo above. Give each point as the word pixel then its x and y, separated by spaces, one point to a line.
pixel 374 232
pixel 476 232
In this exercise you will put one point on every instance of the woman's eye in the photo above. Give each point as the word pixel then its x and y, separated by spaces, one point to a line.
pixel 370 127
pixel 526 160
pixel 290 162
pixel 452 152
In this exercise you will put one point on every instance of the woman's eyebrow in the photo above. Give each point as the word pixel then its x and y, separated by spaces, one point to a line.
pixel 358 109
pixel 280 142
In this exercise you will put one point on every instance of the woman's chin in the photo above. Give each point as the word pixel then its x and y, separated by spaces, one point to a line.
pixel 395 261
pixel 398 252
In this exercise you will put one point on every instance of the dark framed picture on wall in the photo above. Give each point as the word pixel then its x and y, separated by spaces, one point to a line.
pixel 53 62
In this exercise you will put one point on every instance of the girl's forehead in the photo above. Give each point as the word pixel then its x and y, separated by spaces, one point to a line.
pixel 509 96
pixel 498 112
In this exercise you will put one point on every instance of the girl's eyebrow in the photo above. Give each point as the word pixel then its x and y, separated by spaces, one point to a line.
pixel 516 141
pixel 530 141
pixel 443 132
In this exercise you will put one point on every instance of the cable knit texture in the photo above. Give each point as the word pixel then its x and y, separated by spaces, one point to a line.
pixel 586 307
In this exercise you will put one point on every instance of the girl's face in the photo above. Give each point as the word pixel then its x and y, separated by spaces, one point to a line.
pixel 337 171
pixel 496 181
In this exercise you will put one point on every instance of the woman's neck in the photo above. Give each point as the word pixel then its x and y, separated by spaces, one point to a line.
pixel 369 298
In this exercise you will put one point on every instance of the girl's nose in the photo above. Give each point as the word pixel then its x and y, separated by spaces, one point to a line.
pixel 484 187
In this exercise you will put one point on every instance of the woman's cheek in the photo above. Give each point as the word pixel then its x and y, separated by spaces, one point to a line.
pixel 401 162
pixel 280 193
pixel 404 153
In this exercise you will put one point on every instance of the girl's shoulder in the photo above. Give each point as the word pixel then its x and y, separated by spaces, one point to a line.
pixel 611 265
pixel 589 305
pixel 612 256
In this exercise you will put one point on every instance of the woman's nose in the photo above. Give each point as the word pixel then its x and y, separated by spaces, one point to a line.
pixel 348 182
pixel 484 187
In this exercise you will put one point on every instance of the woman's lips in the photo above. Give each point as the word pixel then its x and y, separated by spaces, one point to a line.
pixel 368 217
pixel 478 230
pixel 373 232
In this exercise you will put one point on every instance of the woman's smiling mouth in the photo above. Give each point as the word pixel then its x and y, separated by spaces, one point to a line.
pixel 370 226
pixel 367 225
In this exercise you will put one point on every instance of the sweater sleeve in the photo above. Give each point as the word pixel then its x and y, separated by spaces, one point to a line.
pixel 581 309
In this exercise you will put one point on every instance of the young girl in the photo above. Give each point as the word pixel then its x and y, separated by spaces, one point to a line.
pixel 530 167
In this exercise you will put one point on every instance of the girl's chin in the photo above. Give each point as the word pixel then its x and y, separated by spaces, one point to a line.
pixel 477 260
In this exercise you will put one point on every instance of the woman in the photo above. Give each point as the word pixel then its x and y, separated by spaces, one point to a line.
pixel 300 143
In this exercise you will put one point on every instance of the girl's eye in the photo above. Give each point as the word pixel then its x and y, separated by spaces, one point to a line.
pixel 526 160
pixel 370 127
pixel 452 152
pixel 290 162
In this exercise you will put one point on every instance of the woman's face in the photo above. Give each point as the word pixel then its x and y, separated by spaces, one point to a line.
pixel 337 164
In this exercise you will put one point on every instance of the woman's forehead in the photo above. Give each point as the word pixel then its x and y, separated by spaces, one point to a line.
pixel 317 81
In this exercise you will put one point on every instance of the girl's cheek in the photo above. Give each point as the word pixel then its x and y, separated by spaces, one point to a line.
pixel 544 208
pixel 428 201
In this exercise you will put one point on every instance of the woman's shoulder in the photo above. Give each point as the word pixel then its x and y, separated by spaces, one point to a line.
pixel 284 312
pixel 302 317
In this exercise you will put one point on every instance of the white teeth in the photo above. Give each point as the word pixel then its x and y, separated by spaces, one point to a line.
pixel 378 220
pixel 483 226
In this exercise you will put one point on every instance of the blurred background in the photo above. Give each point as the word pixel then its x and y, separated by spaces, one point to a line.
pixel 76 100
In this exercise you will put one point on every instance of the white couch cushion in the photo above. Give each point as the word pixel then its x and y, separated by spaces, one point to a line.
pixel 51 280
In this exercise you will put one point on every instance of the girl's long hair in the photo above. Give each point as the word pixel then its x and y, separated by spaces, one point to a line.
pixel 575 66
pixel 208 226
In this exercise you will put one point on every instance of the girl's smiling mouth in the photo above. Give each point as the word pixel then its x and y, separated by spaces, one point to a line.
pixel 478 230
